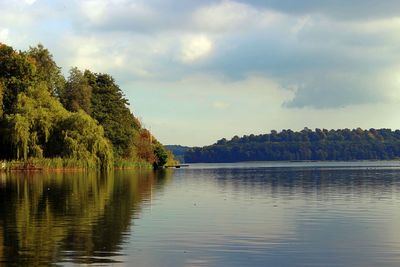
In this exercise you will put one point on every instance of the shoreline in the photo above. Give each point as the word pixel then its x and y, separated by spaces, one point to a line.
pixel 65 165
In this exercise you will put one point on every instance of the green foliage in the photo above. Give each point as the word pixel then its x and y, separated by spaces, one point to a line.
pixel 1 99
pixel 84 139
pixel 17 74
pixel 161 156
pixel 48 164
pixel 110 109
pixel 19 134
pixel 41 126
pixel 129 164
pixel 356 144
pixel 171 161
pixel 84 121
pixel 47 70
pixel 32 123
pixel 78 92
pixel 178 152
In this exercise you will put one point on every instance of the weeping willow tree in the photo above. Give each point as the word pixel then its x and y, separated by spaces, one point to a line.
pixel 31 125
pixel 85 118
pixel 19 134
pixel 83 138
pixel 42 127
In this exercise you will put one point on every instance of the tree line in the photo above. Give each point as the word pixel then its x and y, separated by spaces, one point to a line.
pixel 84 116
pixel 318 144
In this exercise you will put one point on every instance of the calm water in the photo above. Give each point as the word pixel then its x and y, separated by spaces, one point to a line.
pixel 253 214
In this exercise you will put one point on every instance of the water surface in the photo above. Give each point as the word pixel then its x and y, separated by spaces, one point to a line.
pixel 245 214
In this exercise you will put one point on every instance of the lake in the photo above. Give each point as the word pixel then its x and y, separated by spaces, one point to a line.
pixel 244 214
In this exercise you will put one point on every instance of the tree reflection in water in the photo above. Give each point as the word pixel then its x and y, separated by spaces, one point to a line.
pixel 70 217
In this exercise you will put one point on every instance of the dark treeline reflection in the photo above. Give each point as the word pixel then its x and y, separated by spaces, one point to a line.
pixel 305 182
pixel 70 217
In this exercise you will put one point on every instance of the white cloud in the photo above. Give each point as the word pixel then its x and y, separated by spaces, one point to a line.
pixel 232 16
pixel 220 105
pixel 302 22
pixel 118 15
pixel 94 53
pixel 93 9
pixel 30 2
pixel 122 55
pixel 195 47
pixel 222 16
pixel 339 65
pixel 4 34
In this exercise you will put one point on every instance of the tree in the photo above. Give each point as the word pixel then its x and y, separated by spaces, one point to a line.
pixel 1 99
pixel 83 139
pixel 31 125
pixel 17 74
pixel 161 156
pixel 110 109
pixel 86 118
pixel 143 146
pixel 47 70
pixel 78 92
pixel 346 144
pixel 42 127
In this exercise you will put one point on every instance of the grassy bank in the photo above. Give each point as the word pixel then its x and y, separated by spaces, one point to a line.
pixel 126 164
pixel 34 164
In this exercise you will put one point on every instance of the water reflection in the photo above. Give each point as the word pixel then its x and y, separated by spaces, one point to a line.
pixel 69 217
pixel 274 217
pixel 304 182
pixel 252 216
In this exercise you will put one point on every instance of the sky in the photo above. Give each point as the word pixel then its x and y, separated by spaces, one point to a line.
pixel 198 71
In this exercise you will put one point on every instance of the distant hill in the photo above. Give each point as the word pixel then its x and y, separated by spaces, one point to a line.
pixel 178 151
pixel 345 144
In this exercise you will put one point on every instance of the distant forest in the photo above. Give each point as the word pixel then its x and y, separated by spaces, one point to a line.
pixel 346 144
pixel 178 151
pixel 82 120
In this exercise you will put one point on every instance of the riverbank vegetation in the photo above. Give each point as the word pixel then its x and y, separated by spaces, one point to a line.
pixel 345 144
pixel 82 120
pixel 178 151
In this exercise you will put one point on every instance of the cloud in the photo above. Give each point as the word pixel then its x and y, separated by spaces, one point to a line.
pixel 220 105
pixel 4 34
pixel 256 105
pixel 231 16
pixel 107 54
pixel 327 56
pixel 331 62
pixel 340 9
pixel 243 106
pixel 195 47
pixel 117 15
pixel 30 2
pixel 301 23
